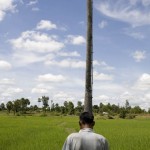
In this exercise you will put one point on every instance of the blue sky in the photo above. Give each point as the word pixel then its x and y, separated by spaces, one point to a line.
pixel 43 48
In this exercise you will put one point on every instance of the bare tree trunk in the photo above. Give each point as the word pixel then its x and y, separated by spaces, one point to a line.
pixel 89 59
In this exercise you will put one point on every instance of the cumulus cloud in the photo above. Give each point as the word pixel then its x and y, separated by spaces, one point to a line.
pixel 63 96
pixel 39 90
pixel 102 24
pixel 103 65
pixel 75 40
pixel 126 11
pixel 4 65
pixel 51 78
pixel 67 63
pixel 11 91
pixel 42 89
pixel 46 25
pixel 146 2
pixel 6 6
pixel 143 83
pixel 76 63
pixel 35 9
pixel 103 99
pixel 136 35
pixel 6 81
pixel 32 2
pixel 102 76
pixel 139 56
pixel 25 58
pixel 69 54
pixel 108 87
pixel 36 42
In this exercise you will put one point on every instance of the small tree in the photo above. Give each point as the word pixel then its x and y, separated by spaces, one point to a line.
pixel 9 106
pixel 16 106
pixel 95 109
pixel 70 108
pixel 2 106
pixel 45 100
pixel 24 102
pixel 123 113
pixel 57 108
pixel 66 106
pixel 127 106
pixel 79 107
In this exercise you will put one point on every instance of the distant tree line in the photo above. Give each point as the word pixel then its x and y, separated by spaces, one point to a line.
pixel 22 106
pixel 19 105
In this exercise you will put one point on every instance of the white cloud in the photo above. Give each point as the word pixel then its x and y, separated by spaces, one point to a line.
pixel 32 2
pixel 143 83
pixel 133 2
pixel 11 91
pixel 69 54
pixel 136 35
pixel 42 89
pixel 146 2
pixel 4 65
pixel 123 11
pixel 102 76
pixel 102 24
pixel 51 78
pixel 103 99
pixel 66 63
pixel 36 42
pixel 76 40
pixel 23 58
pixel 35 9
pixel 6 6
pixel 7 81
pixel 82 23
pixel 46 25
pixel 108 87
pixel 139 55
pixel 74 63
pixel 103 65
pixel 39 90
pixel 62 96
pixel 127 96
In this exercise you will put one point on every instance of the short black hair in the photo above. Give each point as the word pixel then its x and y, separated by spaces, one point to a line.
pixel 86 118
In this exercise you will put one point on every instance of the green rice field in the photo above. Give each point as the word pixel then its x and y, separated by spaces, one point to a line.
pixel 49 133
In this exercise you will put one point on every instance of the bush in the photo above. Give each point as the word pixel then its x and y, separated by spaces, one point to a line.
pixel 110 117
pixel 43 115
pixel 130 116
pixel 123 114
pixel 17 114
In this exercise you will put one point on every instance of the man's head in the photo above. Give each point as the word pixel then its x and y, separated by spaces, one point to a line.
pixel 86 120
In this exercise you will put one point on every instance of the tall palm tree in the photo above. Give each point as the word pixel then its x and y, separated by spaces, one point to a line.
pixel 89 59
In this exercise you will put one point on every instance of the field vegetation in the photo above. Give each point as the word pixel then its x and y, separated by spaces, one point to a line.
pixel 49 133
pixel 27 127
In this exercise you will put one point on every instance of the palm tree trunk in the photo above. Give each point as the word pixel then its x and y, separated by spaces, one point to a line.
pixel 89 59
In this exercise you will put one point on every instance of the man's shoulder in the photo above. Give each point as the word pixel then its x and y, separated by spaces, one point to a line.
pixel 99 136
pixel 73 135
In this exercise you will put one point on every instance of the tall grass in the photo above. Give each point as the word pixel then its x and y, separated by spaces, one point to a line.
pixel 126 134
pixel 49 133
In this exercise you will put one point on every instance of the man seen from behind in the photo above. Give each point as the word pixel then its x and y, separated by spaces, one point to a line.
pixel 85 139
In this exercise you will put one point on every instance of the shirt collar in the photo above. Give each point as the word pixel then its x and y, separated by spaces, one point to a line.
pixel 86 130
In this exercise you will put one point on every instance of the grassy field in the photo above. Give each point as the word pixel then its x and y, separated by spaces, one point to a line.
pixel 49 133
